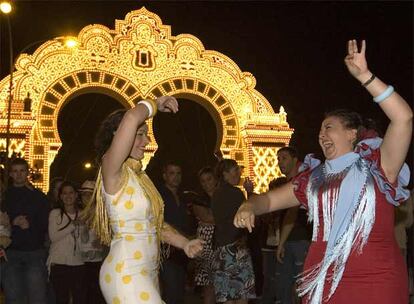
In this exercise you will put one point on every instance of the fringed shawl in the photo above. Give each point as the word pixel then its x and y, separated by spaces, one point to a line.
pixel 348 212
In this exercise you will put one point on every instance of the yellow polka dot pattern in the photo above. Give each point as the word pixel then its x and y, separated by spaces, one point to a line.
pixel 130 190
pixel 126 279
pixel 129 205
pixel 116 300
pixel 137 255
pixel 139 227
pixel 129 238
pixel 144 296
pixel 109 258
pixel 119 266
pixel 108 278
pixel 129 273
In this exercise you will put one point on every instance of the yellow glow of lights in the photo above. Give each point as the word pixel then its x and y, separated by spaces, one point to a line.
pixel 5 7
pixel 139 59
pixel 71 43
pixel 87 165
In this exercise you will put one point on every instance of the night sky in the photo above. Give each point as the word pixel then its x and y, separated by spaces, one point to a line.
pixel 294 49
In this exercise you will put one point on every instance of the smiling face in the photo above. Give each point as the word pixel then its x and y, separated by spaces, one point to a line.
pixel 68 196
pixel 141 141
pixel 334 139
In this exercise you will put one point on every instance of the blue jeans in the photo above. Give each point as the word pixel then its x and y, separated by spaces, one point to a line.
pixel 286 273
pixel 25 277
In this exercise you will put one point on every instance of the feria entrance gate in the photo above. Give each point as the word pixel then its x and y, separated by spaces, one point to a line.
pixel 140 59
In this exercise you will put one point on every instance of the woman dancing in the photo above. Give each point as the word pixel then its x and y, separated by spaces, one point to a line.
pixel 350 198
pixel 127 211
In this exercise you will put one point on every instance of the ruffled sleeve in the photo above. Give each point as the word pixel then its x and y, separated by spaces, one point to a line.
pixel 300 181
pixel 395 193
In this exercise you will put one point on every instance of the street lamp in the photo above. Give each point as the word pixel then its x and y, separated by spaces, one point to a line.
pixel 6 9
pixel 85 165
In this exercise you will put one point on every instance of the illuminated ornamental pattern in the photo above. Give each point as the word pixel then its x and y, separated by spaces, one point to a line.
pixel 141 59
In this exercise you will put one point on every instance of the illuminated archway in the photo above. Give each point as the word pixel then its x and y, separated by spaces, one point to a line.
pixel 141 59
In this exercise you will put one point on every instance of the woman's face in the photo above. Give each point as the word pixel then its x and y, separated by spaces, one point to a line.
pixel 334 139
pixel 68 196
pixel 208 182
pixel 141 141
pixel 232 176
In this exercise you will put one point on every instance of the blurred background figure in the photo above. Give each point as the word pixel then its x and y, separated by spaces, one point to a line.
pixel 92 251
pixel 205 231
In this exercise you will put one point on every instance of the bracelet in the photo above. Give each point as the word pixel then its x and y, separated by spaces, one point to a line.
pixel 151 106
pixel 371 79
pixel 384 95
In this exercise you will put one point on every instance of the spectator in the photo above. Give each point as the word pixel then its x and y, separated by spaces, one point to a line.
pixel 173 270
pixel 205 231
pixel 65 261
pixel 93 252
pixel 25 275
pixel 232 266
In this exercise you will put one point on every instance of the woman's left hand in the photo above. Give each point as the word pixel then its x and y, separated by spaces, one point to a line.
pixel 356 61
pixel 193 248
pixel 167 104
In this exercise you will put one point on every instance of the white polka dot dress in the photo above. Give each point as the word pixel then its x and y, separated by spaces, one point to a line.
pixel 129 274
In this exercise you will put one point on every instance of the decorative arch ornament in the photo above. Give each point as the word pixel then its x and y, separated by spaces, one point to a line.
pixel 141 59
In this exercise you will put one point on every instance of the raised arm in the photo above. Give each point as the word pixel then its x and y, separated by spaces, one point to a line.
pixel 280 198
pixel 124 138
pixel 398 136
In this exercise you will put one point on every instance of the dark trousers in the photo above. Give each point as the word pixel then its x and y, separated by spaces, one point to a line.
pixel 172 277
pixel 286 273
pixel 92 289
pixel 68 281
pixel 25 277
pixel 269 275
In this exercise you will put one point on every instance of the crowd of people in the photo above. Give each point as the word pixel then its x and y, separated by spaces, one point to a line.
pixel 325 232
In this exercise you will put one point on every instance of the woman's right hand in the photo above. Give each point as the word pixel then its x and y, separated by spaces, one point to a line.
pixel 245 216
pixel 167 104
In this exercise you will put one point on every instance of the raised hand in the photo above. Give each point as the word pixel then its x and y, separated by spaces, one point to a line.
pixel 193 248
pixel 244 217
pixel 356 61
pixel 167 104
pixel 248 186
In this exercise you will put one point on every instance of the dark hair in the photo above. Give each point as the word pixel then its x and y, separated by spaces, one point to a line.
pixel 60 202
pixel 224 165
pixel 52 186
pixel 290 150
pixel 206 170
pixel 170 163
pixel 350 120
pixel 103 138
pixel 19 162
pixel 276 183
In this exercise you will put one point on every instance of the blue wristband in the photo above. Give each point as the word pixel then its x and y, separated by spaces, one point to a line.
pixel 384 95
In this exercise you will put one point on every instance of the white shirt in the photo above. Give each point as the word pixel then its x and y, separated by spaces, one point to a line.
pixel 65 243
